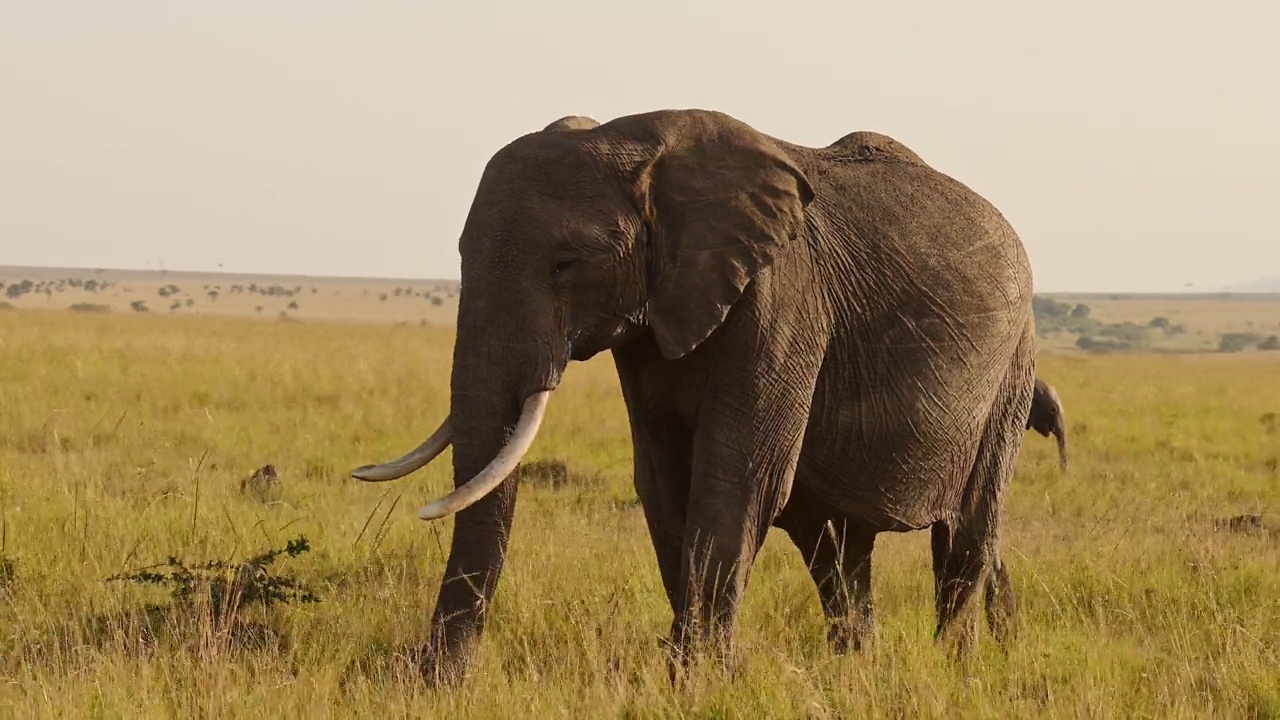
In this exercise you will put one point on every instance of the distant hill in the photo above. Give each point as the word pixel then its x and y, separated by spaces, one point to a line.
pixel 1269 284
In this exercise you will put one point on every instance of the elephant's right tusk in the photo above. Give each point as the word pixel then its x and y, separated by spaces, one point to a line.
pixel 415 459
pixel 499 468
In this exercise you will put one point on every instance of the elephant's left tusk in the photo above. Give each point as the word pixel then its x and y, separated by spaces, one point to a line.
pixel 413 460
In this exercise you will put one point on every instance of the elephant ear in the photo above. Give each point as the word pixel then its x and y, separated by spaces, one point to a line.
pixel 723 201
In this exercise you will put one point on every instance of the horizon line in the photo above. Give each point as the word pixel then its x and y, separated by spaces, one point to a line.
pixel 391 278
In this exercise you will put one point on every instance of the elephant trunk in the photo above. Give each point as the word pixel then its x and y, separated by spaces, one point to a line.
pixel 1060 432
pixel 496 407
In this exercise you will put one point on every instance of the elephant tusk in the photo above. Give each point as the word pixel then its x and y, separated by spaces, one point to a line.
pixel 499 468
pixel 413 460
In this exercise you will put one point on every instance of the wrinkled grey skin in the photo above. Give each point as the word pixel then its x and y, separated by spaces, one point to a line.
pixel 834 341
pixel 1048 418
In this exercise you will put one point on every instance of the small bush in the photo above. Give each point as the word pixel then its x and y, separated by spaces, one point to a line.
pixel 553 472
pixel 1102 343
pixel 89 308
pixel 1271 343
pixel 227 588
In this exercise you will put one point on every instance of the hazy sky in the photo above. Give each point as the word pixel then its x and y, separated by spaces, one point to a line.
pixel 1134 145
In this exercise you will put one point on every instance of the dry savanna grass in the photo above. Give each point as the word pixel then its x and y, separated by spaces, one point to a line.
pixel 126 438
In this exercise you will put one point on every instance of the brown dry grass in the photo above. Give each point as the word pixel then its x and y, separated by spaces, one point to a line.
pixel 1135 602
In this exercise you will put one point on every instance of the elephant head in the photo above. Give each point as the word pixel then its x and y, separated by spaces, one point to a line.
pixel 1047 417
pixel 581 237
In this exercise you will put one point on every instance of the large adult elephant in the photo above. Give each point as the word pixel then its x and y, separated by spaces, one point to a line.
pixel 835 341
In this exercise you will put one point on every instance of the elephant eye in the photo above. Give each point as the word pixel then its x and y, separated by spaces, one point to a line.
pixel 562 265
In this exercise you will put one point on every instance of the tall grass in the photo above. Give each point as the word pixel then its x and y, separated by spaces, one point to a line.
pixel 124 440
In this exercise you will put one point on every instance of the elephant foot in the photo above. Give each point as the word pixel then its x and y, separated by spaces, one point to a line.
pixel 440 672
pixel 442 664
pixel 709 650
pixel 1001 606
pixel 959 639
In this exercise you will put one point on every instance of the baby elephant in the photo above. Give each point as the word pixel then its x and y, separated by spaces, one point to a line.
pixel 1047 417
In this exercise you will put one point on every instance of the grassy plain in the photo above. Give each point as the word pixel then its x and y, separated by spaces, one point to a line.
pixel 124 438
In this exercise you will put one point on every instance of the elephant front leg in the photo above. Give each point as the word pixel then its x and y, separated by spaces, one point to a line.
pixel 744 460
pixel 662 456
pixel 662 470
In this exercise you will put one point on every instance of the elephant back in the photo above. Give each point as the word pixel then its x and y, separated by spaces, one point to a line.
pixel 572 122
pixel 868 146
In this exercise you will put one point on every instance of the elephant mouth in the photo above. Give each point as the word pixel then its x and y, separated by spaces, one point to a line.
pixel 485 482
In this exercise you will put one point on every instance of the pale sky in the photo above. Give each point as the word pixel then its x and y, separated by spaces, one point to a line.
pixel 1134 145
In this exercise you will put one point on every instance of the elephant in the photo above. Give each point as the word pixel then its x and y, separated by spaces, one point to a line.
pixel 1047 417
pixel 572 122
pixel 835 341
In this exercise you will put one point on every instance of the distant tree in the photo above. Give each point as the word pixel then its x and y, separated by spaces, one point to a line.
pixel 1161 323
pixel 213 295
pixel 1235 342
pixel 1080 311
pixel 382 297
pixel 139 306
pixel 177 305
pixel 1271 343
pixel 191 302
pixel 436 301
pixel 293 304
pixel 1048 307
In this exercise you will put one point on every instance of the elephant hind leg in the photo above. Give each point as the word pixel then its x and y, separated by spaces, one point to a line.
pixel 965 546
pixel 838 556
pixel 999 599
pixel 1001 604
